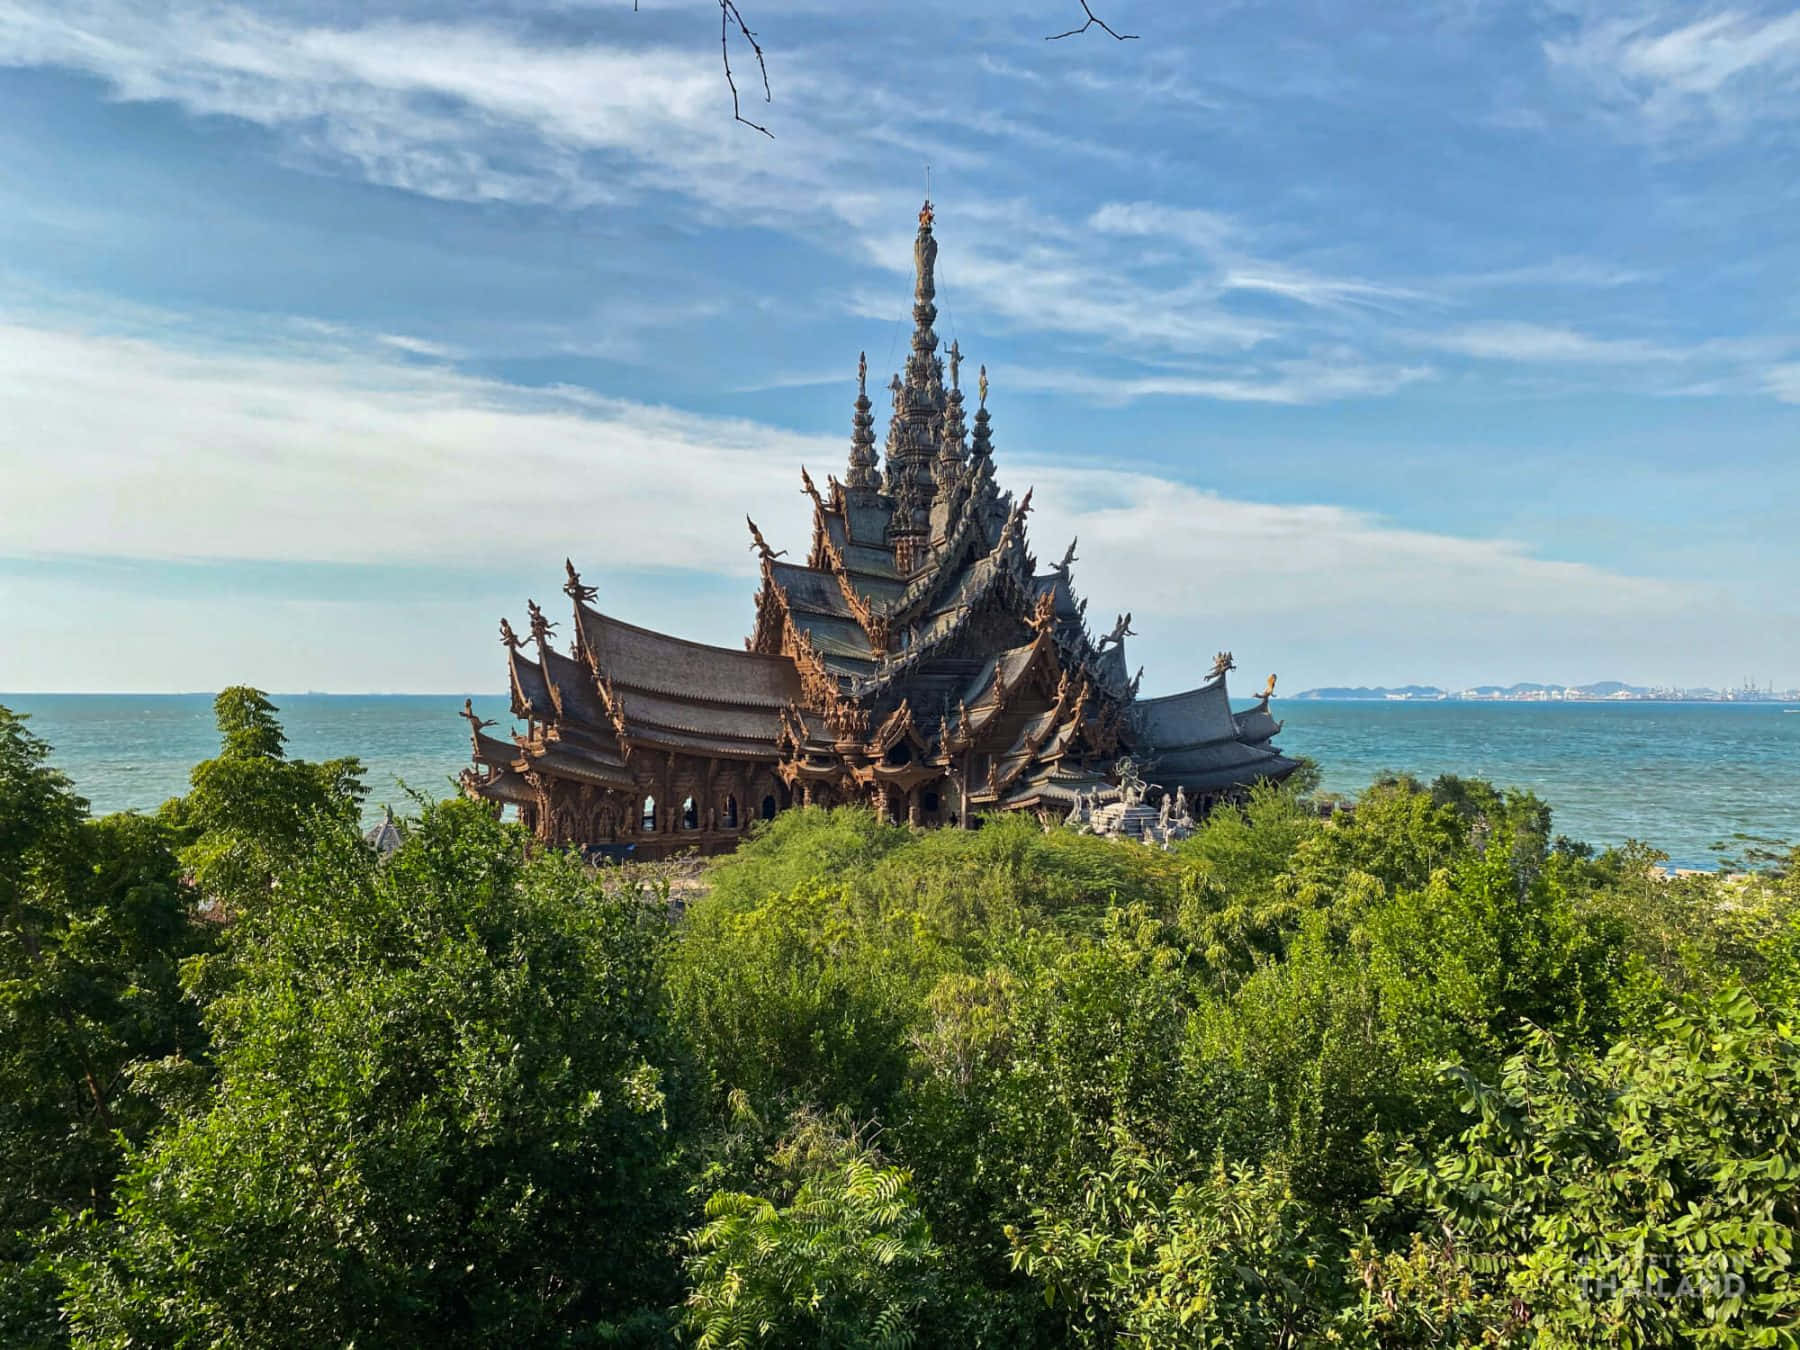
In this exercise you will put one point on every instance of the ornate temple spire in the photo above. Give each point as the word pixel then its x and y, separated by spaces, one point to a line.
pixel 952 444
pixel 863 461
pixel 924 341
pixel 983 448
pixel 919 394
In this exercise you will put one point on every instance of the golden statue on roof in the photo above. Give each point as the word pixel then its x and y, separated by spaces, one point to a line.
pixel 925 215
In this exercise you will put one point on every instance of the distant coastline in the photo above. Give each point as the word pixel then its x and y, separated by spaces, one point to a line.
pixel 1603 691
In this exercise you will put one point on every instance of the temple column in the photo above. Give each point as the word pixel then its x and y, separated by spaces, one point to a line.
pixel 912 807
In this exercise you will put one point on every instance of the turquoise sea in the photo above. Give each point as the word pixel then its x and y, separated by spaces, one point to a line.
pixel 1680 775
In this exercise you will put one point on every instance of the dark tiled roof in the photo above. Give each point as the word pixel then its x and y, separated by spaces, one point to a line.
pixel 1223 767
pixel 506 786
pixel 495 752
pixel 644 710
pixel 638 658
pixel 835 637
pixel 1256 725
pixel 573 685
pixel 810 589
pixel 569 761
pixel 1196 717
pixel 529 690
pixel 868 520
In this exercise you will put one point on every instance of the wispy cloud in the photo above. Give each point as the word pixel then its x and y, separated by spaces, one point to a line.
pixel 471 111
pixel 1710 366
pixel 1516 341
pixel 1282 382
pixel 1674 68
pixel 1573 272
pixel 342 455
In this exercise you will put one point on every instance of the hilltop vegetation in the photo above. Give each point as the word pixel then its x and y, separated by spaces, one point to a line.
pixel 1422 1074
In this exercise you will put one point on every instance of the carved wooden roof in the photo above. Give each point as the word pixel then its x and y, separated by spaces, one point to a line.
pixel 971 653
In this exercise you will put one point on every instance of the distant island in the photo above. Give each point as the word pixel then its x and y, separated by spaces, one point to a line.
pixel 1610 691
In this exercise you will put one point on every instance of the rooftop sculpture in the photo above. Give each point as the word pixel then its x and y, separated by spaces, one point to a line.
pixel 916 661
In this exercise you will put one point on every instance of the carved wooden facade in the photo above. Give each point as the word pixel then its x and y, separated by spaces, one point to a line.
pixel 917 662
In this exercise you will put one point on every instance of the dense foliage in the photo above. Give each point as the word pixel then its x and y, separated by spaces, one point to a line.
pixel 1416 1073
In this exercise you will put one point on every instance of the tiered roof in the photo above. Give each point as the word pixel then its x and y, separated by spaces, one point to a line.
pixel 918 644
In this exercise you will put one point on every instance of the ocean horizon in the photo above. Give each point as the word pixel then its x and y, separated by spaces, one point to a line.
pixel 1681 776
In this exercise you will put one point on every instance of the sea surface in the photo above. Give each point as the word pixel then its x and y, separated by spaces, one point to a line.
pixel 1681 776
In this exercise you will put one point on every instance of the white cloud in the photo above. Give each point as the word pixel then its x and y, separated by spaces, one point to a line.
pixel 131 449
pixel 469 112
pixel 1173 547
pixel 123 447
pixel 1682 69
pixel 1510 341
pixel 1783 381
pixel 1563 271
pixel 1283 382
pixel 1203 230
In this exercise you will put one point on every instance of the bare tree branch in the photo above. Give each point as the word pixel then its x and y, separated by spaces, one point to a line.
pixel 728 14
pixel 1093 21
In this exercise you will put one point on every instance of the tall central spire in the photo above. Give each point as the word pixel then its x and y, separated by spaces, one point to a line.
pixel 919 399
pixel 922 364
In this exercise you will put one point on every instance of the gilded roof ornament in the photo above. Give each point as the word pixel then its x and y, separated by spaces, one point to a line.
pixel 926 215
pixel 955 365
pixel 509 638
pixel 983 386
pixel 1121 630
pixel 573 587
pixel 541 627
pixel 760 544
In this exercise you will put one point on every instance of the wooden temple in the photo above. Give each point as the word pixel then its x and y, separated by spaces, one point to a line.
pixel 917 661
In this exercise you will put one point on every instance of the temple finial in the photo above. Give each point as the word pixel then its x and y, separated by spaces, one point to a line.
pixel 982 447
pixel 541 627
pixel 926 215
pixel 573 587
pixel 864 462
pixel 953 451
pixel 761 545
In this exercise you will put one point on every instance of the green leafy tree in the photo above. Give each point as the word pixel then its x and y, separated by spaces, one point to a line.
pixel 1649 1197
pixel 94 923
pixel 1239 900
pixel 1152 1254
pixel 445 1088
pixel 251 810
pixel 842 1257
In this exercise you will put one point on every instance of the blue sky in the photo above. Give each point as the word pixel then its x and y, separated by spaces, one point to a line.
pixel 1442 342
